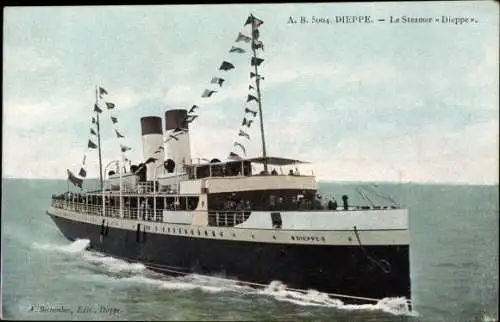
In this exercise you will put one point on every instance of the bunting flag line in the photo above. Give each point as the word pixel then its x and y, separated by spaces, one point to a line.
pixel 247 110
pixel 114 119
pixel 91 145
pixel 82 173
pixel 110 105
pixel 241 147
pixel 237 50
pixel 74 180
pixel 250 87
pixel 246 122
pixel 252 98
pixel 256 61
pixel 191 110
pixel 207 93
pixel 124 148
pixel 93 120
pixel 242 37
pixel 97 109
pixel 217 80
pixel 118 134
pixel 92 131
pixel 225 66
pixel 244 134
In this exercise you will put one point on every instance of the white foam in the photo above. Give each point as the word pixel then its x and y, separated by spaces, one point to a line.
pixel 112 264
pixel 75 247
pixel 279 291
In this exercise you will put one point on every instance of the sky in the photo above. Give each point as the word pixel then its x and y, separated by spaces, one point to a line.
pixel 361 102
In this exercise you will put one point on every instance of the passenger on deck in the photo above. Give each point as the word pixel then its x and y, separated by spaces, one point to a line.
pixel 290 173
pixel 332 204
pixel 274 172
pixel 297 173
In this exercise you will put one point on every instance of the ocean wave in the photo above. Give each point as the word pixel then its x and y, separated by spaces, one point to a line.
pixel 217 284
pixel 78 246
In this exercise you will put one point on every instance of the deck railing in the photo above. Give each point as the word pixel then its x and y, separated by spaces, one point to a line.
pixel 109 211
pixel 227 218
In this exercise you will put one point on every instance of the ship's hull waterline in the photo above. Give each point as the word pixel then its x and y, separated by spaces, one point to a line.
pixel 375 271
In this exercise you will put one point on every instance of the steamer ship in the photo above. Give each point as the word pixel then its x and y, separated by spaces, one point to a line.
pixel 180 215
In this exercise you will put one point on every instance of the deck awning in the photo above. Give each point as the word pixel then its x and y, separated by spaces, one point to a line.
pixel 275 161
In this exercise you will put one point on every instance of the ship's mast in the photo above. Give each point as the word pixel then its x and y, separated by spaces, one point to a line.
pixel 259 98
pixel 98 139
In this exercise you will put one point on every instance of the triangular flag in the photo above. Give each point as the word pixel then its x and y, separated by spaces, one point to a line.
pixel 102 91
pixel 82 173
pixel 256 22
pixel 250 87
pixel 247 110
pixel 125 148
pixel 236 50
pixel 110 105
pixel 97 109
pixel 93 120
pixel 255 75
pixel 225 66
pixel 118 134
pixel 256 61
pixel 242 37
pixel 92 131
pixel 217 80
pixel 91 145
pixel 74 180
pixel 114 119
pixel 257 44
pixel 244 134
pixel 207 93
pixel 251 97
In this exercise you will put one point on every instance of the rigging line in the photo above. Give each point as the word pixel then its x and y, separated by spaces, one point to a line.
pixel 385 270
pixel 259 97
pixel 375 192
pixel 99 139
pixel 364 196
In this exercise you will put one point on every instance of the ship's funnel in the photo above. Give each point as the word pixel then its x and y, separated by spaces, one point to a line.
pixel 177 142
pixel 152 144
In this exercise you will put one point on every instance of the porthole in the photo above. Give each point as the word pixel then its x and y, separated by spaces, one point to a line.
pixel 322 238
pixel 234 235
pixel 293 238
pixel 274 237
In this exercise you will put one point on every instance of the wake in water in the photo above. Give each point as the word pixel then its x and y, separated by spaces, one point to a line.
pixel 139 274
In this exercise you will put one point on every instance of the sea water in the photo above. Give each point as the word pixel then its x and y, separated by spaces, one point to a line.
pixel 454 266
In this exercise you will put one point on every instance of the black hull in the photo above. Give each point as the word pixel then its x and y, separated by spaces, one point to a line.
pixel 348 270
